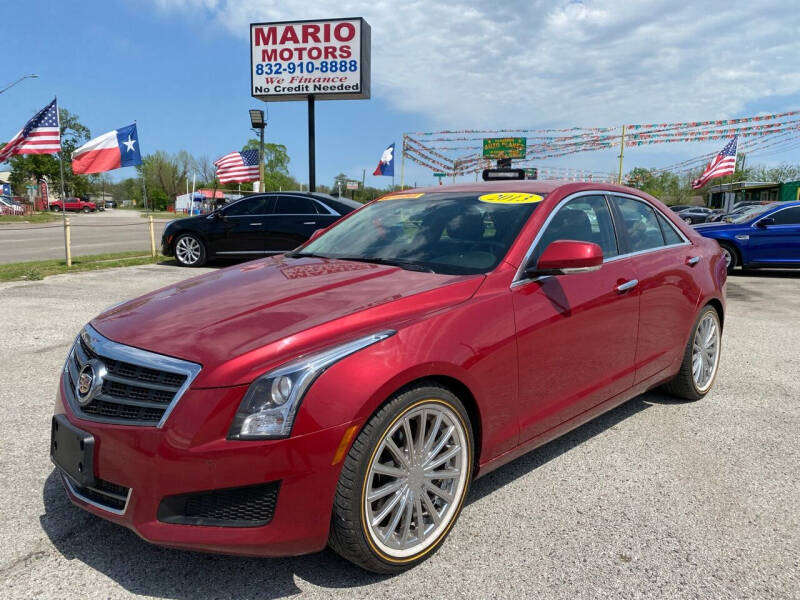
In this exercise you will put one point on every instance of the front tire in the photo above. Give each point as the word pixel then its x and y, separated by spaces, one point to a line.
pixel 190 251
pixel 700 359
pixel 404 481
pixel 87 210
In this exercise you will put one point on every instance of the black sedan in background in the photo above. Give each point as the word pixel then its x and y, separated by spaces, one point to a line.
pixel 254 226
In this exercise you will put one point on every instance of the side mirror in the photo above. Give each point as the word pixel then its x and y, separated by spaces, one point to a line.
pixel 763 223
pixel 317 233
pixel 567 256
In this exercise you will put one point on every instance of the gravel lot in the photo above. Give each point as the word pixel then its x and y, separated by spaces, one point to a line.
pixel 654 499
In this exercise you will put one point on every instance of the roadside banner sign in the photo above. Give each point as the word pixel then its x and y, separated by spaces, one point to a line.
pixel 353 185
pixel 43 193
pixel 509 147
pixel 327 59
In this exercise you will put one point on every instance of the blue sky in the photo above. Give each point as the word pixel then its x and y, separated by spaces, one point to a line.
pixel 180 68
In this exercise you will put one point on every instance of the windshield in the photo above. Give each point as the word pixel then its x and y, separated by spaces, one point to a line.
pixel 750 213
pixel 452 233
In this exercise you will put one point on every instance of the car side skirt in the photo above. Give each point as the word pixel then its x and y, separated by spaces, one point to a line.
pixel 581 419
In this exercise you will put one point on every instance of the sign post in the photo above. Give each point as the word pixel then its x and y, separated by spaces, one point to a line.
pixel 310 60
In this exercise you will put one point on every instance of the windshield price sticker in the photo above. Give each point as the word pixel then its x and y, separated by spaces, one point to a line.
pixel 399 197
pixel 325 59
pixel 510 198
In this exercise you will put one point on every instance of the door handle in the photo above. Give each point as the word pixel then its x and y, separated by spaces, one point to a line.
pixel 628 285
pixel 253 224
pixel 309 222
pixel 692 260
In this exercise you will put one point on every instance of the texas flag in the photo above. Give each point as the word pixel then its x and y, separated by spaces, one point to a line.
pixel 112 150
pixel 386 164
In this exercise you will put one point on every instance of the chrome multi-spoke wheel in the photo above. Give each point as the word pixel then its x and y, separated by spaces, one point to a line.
pixel 730 256
pixel 698 368
pixel 416 479
pixel 705 351
pixel 189 251
pixel 403 481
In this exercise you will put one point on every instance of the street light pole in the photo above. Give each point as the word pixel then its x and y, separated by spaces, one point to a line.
pixel 257 122
pixel 10 85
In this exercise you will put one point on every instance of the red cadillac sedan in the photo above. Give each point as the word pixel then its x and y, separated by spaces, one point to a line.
pixel 349 392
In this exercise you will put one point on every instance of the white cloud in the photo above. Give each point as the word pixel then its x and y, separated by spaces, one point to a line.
pixel 528 63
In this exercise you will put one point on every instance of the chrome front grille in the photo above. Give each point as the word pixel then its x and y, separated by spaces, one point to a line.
pixel 128 385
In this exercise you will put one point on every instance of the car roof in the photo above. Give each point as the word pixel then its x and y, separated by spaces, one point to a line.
pixel 538 186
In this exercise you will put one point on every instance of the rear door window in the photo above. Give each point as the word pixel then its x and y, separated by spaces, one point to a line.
pixel 668 230
pixel 295 205
pixel 640 224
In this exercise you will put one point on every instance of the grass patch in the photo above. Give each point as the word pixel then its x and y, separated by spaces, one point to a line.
pixel 39 269
pixel 42 217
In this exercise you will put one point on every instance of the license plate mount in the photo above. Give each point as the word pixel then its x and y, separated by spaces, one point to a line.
pixel 72 451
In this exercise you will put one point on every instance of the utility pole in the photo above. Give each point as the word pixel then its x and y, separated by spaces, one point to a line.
pixel 621 154
pixel 312 165
pixel 403 164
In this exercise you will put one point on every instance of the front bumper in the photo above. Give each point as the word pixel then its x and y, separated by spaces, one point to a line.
pixel 190 454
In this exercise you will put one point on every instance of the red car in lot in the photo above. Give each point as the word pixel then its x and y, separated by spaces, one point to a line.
pixel 73 204
pixel 348 393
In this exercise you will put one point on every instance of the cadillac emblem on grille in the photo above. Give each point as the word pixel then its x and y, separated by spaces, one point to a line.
pixel 90 381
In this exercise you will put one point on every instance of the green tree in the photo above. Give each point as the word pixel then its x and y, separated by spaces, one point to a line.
pixel 166 175
pixel 276 166
pixel 664 185
pixel 781 173
pixel 340 184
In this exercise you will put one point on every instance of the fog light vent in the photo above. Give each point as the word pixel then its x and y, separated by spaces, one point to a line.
pixel 250 506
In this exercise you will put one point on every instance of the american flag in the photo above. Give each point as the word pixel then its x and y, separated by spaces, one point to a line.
pixel 238 166
pixel 723 163
pixel 39 136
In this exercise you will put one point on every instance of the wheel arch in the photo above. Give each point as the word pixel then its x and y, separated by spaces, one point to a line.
pixel 459 389
pixel 717 304
pixel 734 246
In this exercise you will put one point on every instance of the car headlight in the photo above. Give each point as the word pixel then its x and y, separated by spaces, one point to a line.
pixel 270 404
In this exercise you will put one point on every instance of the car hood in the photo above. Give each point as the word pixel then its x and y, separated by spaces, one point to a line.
pixel 720 227
pixel 267 311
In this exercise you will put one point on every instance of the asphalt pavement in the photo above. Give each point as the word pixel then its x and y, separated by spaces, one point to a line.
pixel 112 230
pixel 655 499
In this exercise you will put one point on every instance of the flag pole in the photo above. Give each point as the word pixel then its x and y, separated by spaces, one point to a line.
pixel 621 154
pixel 67 256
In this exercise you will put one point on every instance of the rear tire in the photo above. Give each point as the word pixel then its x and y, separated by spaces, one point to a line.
pixel 731 256
pixel 391 511
pixel 190 251
pixel 700 359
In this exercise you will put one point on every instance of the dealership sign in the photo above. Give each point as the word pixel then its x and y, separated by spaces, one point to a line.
pixel 329 60
pixel 511 147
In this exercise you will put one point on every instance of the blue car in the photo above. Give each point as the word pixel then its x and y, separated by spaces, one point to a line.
pixel 767 236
